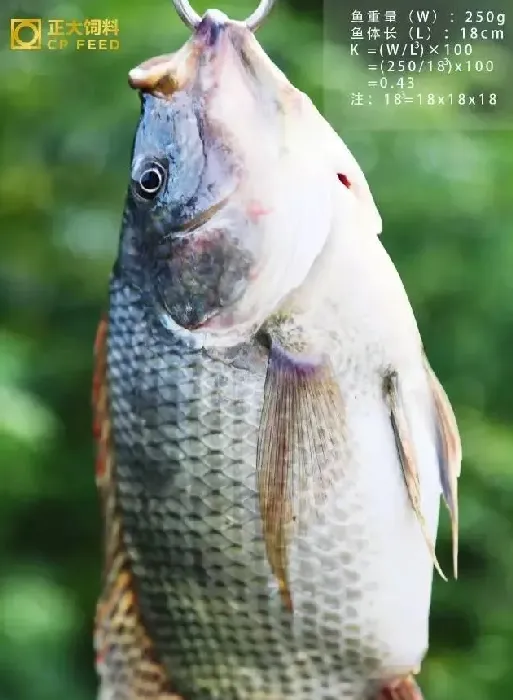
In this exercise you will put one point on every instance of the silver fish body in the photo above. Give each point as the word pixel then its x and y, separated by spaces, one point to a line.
pixel 190 379
pixel 186 429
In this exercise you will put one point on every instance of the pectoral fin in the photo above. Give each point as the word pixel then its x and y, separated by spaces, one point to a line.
pixel 449 454
pixel 299 442
pixel 407 457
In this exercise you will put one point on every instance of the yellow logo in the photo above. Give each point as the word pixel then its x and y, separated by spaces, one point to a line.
pixel 25 34
pixel 59 34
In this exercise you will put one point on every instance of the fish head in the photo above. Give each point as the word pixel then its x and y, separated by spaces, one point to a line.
pixel 229 202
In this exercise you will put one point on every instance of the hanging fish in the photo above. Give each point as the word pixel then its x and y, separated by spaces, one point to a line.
pixel 272 442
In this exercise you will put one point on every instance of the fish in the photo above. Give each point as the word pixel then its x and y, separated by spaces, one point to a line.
pixel 272 443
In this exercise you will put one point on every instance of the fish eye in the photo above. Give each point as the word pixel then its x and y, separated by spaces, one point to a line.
pixel 150 180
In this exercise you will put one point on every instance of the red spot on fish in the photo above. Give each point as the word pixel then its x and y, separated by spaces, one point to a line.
pixel 255 211
pixel 344 180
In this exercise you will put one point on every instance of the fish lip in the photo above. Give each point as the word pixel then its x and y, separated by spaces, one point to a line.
pixel 192 225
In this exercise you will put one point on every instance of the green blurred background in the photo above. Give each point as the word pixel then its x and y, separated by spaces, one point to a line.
pixel 443 182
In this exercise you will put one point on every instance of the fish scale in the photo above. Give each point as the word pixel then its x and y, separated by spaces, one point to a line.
pixel 206 591
pixel 192 530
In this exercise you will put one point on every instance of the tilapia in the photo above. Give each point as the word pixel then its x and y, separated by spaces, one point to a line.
pixel 273 444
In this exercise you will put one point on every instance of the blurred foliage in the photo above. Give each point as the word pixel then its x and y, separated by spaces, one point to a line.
pixel 443 182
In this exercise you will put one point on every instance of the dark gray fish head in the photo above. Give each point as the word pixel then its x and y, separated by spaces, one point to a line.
pixel 229 200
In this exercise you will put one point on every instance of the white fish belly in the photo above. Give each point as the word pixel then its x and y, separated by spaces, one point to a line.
pixel 361 572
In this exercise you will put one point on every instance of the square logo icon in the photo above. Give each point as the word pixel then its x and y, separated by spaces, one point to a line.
pixel 26 34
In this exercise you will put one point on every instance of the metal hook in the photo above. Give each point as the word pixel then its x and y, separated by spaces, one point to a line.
pixel 191 18
pixel 186 13
pixel 258 16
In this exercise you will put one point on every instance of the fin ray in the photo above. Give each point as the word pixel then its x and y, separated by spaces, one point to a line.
pixel 449 454
pixel 407 458
pixel 299 439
